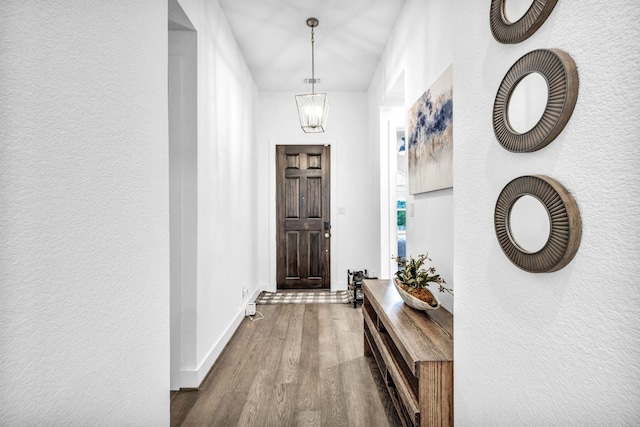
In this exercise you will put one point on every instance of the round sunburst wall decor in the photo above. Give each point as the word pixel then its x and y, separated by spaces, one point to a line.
pixel 565 223
pixel 561 75
pixel 508 32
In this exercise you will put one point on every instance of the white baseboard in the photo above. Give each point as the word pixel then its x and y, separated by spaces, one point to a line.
pixel 269 287
pixel 257 292
pixel 339 286
pixel 188 379
pixel 193 379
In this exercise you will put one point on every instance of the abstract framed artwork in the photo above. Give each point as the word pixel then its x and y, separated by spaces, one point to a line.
pixel 430 137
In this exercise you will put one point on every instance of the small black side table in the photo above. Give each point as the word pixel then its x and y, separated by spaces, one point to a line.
pixel 354 283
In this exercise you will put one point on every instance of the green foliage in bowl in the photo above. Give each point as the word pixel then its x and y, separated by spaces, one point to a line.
pixel 413 274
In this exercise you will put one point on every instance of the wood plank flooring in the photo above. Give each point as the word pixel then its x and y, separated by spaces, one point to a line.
pixel 303 365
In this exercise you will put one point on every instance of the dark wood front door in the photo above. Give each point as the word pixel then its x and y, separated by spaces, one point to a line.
pixel 303 223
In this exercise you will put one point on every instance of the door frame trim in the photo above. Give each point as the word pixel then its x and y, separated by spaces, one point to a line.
pixel 331 142
pixel 183 41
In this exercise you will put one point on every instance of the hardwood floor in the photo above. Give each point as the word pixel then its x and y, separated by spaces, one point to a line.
pixel 303 365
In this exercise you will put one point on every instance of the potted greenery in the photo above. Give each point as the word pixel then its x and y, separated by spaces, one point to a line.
pixel 413 280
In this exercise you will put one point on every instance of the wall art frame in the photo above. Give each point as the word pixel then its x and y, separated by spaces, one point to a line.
pixel 508 32
pixel 429 137
pixel 561 74
pixel 565 224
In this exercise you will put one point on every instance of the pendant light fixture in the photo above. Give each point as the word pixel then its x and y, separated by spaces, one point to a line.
pixel 313 108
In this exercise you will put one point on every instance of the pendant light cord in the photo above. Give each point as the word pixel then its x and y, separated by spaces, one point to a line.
pixel 313 75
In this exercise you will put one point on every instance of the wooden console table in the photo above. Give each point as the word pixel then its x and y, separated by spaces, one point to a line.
pixel 414 351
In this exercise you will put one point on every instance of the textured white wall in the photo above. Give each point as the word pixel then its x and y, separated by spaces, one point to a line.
pixel 227 258
pixel 354 234
pixel 558 348
pixel 84 254
pixel 421 47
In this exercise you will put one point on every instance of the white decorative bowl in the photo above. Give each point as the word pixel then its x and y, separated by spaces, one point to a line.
pixel 414 302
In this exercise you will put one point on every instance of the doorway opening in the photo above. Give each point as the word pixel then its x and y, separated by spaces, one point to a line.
pixel 393 178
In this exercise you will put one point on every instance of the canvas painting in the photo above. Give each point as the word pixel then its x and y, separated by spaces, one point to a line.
pixel 430 137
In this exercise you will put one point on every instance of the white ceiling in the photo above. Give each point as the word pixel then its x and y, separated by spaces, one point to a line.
pixel 276 41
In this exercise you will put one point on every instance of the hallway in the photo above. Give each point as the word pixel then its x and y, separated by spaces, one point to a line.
pixel 303 365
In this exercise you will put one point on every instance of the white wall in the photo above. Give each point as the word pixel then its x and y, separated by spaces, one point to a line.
pixel 421 47
pixel 557 348
pixel 84 253
pixel 354 234
pixel 227 255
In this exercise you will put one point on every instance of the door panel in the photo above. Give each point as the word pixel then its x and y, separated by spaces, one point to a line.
pixel 315 254
pixel 302 209
pixel 314 198
pixel 292 198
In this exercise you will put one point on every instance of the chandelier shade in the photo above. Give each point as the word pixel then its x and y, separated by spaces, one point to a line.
pixel 313 108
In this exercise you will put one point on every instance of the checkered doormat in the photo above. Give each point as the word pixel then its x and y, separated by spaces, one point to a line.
pixel 323 297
